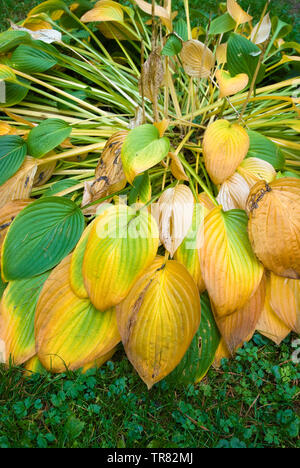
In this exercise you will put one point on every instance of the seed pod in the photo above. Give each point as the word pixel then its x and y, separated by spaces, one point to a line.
pixel 274 225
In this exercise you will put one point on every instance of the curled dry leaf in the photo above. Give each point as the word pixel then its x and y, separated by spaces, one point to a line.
pixel 163 303
pixel 261 32
pixel 233 193
pixel 240 326
pixel 8 212
pixel 274 225
pixel 230 85
pixel 177 168
pixel 44 173
pixel 255 169
pixel 230 270
pixel 109 175
pixel 237 13
pixel 269 324
pixel 197 59
pixel 152 76
pixel 19 186
pixel 224 147
pixel 176 206
pixel 159 11
pixel 105 10
pixel 70 331
pixel 285 300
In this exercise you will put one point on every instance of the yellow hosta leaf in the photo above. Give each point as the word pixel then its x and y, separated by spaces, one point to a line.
pixel 205 201
pixel 159 11
pixel 44 173
pixel 240 326
pixel 285 300
pixel 8 212
pixel 34 24
pixel 274 225
pixel 229 267
pixel 237 13
pixel 19 186
pixel 100 361
pixel 187 253
pixel 261 32
pixel 197 59
pixel 177 168
pixel 162 126
pixel 34 366
pixel 221 53
pixel 230 85
pixel 255 169
pixel 269 324
pixel 105 10
pixel 233 193
pixel 70 331
pixel 6 129
pixel 198 31
pixel 159 318
pixel 221 353
pixel 224 147
pixel 176 206
pixel 121 244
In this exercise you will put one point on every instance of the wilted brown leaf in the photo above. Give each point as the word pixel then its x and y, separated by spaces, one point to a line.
pixel 197 59
pixel 19 186
pixel 152 76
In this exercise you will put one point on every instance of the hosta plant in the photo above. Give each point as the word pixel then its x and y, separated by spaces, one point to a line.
pixel 149 186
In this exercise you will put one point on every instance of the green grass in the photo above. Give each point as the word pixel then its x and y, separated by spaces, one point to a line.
pixel 252 401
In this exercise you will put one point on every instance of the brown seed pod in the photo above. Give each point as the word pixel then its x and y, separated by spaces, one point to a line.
pixel 274 225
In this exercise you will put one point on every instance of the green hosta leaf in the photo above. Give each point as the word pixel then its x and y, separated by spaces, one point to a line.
pixel 47 136
pixel 12 154
pixel 141 190
pixel 31 60
pixel 60 186
pixel 280 175
pixel 15 93
pixel 2 287
pixel 243 57
pixel 200 355
pixel 222 24
pixel 6 73
pixel 181 29
pixel 143 149
pixel 40 237
pixel 11 39
pixel 17 317
pixel 263 148
pixel 173 46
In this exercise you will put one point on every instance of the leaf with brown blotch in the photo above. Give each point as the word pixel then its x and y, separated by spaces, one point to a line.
pixel 176 206
pixel 230 85
pixel 274 225
pixel 238 327
pixel 197 59
pixel 285 300
pixel 159 318
pixel 233 193
pixel 109 175
pixel 8 212
pixel 269 324
pixel 261 32
pixel 44 173
pixel 159 11
pixel 237 13
pixel 225 145
pixel 19 186
pixel 152 76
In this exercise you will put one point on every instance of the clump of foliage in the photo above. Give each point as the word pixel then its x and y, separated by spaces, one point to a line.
pixel 182 239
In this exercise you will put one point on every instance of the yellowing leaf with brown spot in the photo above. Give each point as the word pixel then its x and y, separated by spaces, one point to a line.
pixel 121 244
pixel 105 10
pixel 44 173
pixel 237 13
pixel 230 270
pixel 159 318
pixel 230 85
pixel 255 169
pixel 233 193
pixel 176 206
pixel 197 59
pixel 274 225
pixel 19 186
pixel 224 147
pixel 285 300
pixel 269 324
pixel 261 32
pixel 69 331
pixel 236 328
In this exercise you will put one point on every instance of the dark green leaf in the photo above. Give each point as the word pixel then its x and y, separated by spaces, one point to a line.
pixel 47 136
pixel 200 355
pixel 11 39
pixel 12 154
pixel 31 60
pixel 2 286
pixel 263 148
pixel 173 46
pixel 15 93
pixel 222 24
pixel 181 29
pixel 41 235
pixel 60 186
pixel 243 57
pixel 141 189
